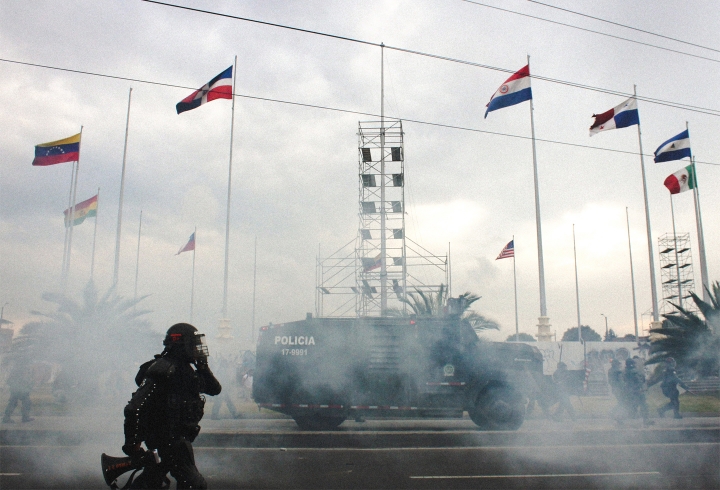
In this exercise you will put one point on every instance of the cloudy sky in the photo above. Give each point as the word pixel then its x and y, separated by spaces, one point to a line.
pixel 295 168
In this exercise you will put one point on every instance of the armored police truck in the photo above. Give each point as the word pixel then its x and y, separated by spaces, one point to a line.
pixel 322 371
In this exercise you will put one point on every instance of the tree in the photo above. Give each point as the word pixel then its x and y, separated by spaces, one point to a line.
pixel 588 335
pixel 610 335
pixel 523 337
pixel 429 305
pixel 97 335
pixel 693 341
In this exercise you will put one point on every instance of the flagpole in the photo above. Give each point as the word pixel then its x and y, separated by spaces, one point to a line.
pixel 543 320
pixel 192 283
pixel 577 288
pixel 517 323
pixel 92 260
pixel 383 249
pixel 254 289
pixel 651 258
pixel 65 224
pixel 122 191
pixel 700 231
pixel 137 260
pixel 449 272
pixel 72 213
pixel 632 275
pixel 225 322
pixel 677 260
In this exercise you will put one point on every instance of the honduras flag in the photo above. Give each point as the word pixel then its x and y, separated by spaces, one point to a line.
pixel 219 87
pixel 675 148
pixel 516 89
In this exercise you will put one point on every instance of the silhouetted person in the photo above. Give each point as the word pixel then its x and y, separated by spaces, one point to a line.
pixel 617 388
pixel 562 380
pixel 20 382
pixel 223 371
pixel 669 384
pixel 543 393
pixel 165 410
pixel 635 391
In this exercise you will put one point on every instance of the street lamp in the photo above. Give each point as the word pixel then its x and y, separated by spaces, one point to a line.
pixel 2 310
pixel 606 326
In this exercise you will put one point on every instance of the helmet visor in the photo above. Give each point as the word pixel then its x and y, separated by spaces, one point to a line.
pixel 200 349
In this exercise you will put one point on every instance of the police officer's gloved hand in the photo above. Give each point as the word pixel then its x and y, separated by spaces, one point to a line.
pixel 202 363
pixel 135 451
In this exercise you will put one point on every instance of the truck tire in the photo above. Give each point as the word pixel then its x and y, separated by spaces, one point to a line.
pixel 318 422
pixel 499 408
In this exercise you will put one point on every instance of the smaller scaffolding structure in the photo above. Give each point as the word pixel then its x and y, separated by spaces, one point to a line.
pixel 676 273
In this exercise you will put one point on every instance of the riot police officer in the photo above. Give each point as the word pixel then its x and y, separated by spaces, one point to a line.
pixel 669 384
pixel 635 388
pixel 617 387
pixel 562 380
pixel 165 410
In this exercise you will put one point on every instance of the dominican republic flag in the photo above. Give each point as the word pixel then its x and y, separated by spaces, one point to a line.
pixel 508 251
pixel 681 181
pixel 190 245
pixel 622 116
pixel 516 89
pixel 675 148
pixel 219 87
pixel 60 151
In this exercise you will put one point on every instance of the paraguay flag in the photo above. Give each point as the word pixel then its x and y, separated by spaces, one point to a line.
pixel 675 148
pixel 622 116
pixel 60 151
pixel 516 89
pixel 219 87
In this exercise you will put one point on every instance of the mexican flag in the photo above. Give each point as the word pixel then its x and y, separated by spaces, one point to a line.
pixel 681 181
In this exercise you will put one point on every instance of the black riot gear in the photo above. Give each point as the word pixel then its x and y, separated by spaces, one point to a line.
pixel 167 407
pixel 184 341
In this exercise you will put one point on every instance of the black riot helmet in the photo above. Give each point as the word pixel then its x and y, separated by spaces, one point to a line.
pixel 184 341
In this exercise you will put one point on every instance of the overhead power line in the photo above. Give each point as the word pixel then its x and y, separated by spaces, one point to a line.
pixel 624 25
pixel 590 30
pixel 328 108
pixel 667 103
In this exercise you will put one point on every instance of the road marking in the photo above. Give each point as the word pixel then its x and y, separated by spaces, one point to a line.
pixel 10 474
pixel 559 475
pixel 464 448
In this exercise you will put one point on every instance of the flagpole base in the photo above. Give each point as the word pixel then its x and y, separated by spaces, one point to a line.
pixel 654 325
pixel 225 330
pixel 543 326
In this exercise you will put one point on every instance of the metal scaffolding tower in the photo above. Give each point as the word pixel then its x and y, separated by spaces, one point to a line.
pixel 369 279
pixel 676 271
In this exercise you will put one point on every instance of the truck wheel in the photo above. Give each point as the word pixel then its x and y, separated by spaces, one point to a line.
pixel 318 422
pixel 498 409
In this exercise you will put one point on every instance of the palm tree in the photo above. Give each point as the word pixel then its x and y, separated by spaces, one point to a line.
pixel 433 305
pixel 100 334
pixel 426 305
pixel 694 342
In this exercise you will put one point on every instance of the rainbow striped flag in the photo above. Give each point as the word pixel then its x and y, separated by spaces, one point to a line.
pixel 85 209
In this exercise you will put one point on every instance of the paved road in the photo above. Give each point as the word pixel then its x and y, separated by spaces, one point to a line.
pixel 391 454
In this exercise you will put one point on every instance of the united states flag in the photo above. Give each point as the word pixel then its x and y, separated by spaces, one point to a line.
pixel 508 251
